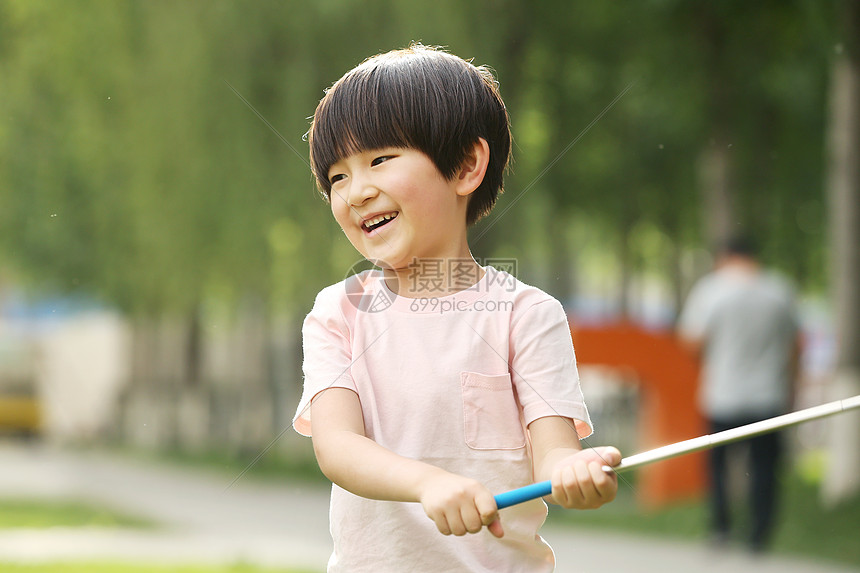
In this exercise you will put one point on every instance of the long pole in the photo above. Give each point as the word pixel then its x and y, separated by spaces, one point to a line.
pixel 707 442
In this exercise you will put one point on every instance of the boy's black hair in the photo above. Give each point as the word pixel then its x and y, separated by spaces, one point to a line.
pixel 421 98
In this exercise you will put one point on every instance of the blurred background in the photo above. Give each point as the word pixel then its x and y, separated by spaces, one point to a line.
pixel 161 237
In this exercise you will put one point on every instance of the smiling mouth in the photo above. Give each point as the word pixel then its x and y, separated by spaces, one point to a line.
pixel 378 221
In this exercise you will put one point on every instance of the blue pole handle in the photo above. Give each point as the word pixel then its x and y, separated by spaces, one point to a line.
pixel 522 494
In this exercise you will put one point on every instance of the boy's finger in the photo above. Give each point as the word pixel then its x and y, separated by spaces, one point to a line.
pixel 568 487
pixel 442 525
pixel 610 456
pixel 601 478
pixel 606 455
pixel 605 484
pixel 457 527
pixel 496 528
pixel 471 519
pixel 486 506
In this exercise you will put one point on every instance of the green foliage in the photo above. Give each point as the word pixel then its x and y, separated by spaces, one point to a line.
pixel 131 170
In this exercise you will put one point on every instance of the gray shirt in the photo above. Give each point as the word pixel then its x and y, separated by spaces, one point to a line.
pixel 746 320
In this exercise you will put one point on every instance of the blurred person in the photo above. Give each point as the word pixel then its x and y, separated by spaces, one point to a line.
pixel 740 321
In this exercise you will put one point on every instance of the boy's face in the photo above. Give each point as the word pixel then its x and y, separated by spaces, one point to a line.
pixel 395 206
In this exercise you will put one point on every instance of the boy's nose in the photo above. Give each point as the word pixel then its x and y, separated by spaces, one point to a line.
pixel 360 191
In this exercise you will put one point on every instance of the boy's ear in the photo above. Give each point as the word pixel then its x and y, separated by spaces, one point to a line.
pixel 474 166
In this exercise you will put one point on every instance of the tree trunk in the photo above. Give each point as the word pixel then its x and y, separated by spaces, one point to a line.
pixel 843 187
pixel 715 184
pixel 193 349
pixel 626 270
pixel 715 162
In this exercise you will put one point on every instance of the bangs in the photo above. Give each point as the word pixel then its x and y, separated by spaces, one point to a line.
pixel 397 99
pixel 353 117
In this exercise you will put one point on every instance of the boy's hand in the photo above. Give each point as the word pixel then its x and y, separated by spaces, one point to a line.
pixel 579 482
pixel 460 505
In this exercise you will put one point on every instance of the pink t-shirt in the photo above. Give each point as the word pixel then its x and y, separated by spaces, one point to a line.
pixel 452 381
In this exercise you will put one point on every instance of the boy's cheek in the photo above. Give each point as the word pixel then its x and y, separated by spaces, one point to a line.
pixel 341 218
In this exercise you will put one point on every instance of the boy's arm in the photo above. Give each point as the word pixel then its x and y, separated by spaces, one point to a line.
pixel 578 480
pixel 358 464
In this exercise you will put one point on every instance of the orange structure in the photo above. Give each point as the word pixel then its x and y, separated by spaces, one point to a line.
pixel 668 378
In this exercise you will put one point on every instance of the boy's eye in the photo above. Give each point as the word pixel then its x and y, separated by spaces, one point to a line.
pixel 379 160
pixel 335 178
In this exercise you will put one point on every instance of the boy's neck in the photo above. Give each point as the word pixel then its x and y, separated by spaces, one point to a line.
pixel 428 278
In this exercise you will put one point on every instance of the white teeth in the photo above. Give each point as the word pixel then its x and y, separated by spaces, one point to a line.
pixel 377 220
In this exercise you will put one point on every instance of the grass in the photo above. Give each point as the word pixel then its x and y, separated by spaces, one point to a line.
pixel 52 513
pixel 804 527
pixel 18 513
pixel 109 567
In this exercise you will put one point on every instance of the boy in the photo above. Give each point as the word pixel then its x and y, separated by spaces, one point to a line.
pixel 434 380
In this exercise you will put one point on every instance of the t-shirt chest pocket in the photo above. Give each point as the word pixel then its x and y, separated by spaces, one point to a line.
pixel 490 413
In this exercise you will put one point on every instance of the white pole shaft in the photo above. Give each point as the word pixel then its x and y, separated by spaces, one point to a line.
pixel 735 434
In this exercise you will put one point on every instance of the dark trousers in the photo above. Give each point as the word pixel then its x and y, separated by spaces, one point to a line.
pixel 764 455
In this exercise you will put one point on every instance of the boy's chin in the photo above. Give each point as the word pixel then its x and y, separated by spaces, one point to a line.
pixel 391 266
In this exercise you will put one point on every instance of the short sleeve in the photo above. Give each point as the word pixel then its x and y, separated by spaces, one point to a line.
pixel 327 354
pixel 543 366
